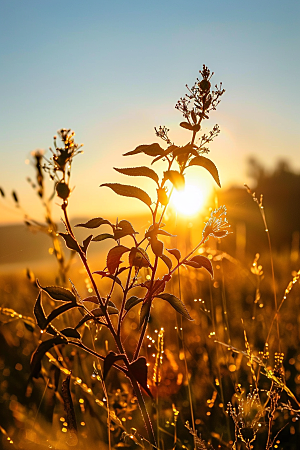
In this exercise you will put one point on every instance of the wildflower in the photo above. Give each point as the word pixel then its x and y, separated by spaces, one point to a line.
pixel 64 156
pixel 217 225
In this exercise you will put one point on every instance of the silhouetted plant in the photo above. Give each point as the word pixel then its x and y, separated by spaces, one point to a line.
pixel 145 252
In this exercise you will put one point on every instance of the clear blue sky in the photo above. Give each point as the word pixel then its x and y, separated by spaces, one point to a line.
pixel 113 70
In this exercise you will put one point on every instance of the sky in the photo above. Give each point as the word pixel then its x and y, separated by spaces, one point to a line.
pixel 112 71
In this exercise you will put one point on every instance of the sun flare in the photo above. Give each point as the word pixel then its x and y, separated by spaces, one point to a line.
pixel 190 200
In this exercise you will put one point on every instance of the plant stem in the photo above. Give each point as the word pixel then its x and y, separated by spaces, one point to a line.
pixel 142 335
pixel 115 335
pixel 143 409
pixel 123 302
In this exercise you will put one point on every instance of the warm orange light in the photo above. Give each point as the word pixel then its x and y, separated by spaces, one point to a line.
pixel 190 200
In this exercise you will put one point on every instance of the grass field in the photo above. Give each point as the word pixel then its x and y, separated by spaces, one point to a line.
pixel 236 308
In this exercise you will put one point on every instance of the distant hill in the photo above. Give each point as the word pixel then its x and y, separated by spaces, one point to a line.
pixel 20 245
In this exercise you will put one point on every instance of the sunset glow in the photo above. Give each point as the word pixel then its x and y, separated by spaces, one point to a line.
pixel 190 200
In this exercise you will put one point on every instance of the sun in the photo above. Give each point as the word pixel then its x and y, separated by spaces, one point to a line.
pixel 190 200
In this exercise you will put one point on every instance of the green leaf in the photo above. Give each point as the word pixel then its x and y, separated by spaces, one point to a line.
pixel 176 303
pixel 176 178
pixel 40 313
pixel 187 126
pixel 114 257
pixel 139 370
pixel 91 298
pixel 94 223
pixel 157 246
pixel 149 149
pixel 187 149
pixel 132 301
pixel 71 243
pixel 112 277
pixel 145 312
pixel 112 309
pixel 208 165
pixel 165 233
pixel 124 228
pixel 37 356
pixel 175 252
pixel 58 293
pixel 167 261
pixel 62 190
pixel 169 150
pixel 102 237
pixel 71 332
pixel 109 360
pixel 86 318
pixel 86 243
pixel 139 172
pixel 138 258
pixel 60 310
pixel 200 261
pixel 97 312
pixel 129 191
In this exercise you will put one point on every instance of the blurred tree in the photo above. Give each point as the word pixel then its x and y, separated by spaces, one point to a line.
pixel 280 188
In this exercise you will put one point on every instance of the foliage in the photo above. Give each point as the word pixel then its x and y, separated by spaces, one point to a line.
pixel 105 330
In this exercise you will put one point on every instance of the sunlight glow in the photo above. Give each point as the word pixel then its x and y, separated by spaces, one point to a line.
pixel 189 201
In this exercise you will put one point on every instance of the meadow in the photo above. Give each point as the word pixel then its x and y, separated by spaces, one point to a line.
pixel 171 333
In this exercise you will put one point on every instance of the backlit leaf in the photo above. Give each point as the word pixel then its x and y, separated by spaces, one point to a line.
pixel 138 258
pixel 92 299
pixel 60 310
pixel 175 252
pixel 157 246
pixel 86 243
pixel 186 125
pixel 139 172
pixel 112 277
pixel 124 228
pixel 86 318
pixel 70 242
pixel 145 312
pixel 200 261
pixel 149 149
pixel 208 165
pixel 58 293
pixel 139 370
pixel 165 233
pixel 102 237
pixel 114 257
pixel 131 302
pixel 169 150
pixel 44 347
pixel 176 303
pixel 109 360
pixel 176 178
pixel 186 150
pixel 94 223
pixel 111 309
pixel 71 333
pixel 95 313
pixel 167 261
pixel 129 191
pixel 40 313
